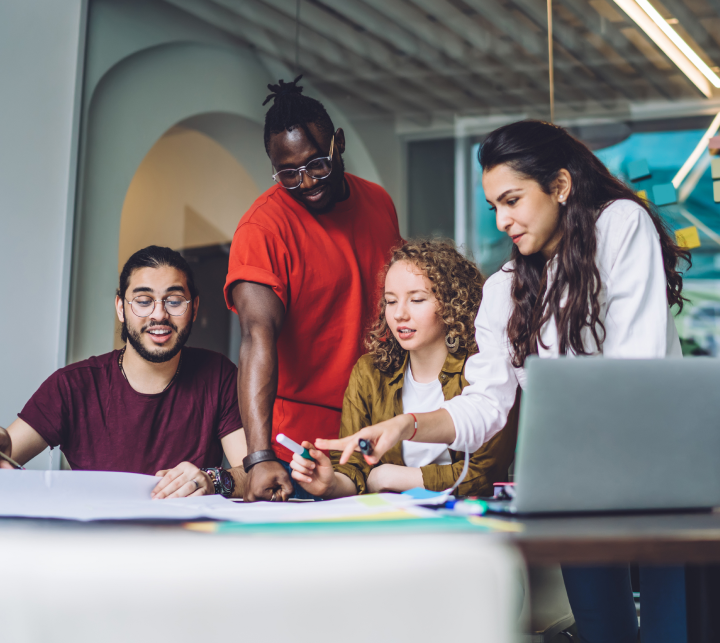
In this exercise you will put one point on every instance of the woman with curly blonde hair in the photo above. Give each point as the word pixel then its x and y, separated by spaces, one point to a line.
pixel 418 346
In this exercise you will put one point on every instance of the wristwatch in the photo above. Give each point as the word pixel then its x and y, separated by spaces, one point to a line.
pixel 222 480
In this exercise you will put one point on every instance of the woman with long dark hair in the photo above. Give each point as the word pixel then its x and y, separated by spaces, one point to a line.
pixel 594 271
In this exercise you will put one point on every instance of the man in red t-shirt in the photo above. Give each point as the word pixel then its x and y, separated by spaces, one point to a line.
pixel 302 277
pixel 155 407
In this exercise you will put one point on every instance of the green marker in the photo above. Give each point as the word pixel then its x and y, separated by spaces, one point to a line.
pixel 293 446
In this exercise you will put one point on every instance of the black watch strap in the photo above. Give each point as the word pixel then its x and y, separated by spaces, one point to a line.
pixel 256 458
pixel 223 482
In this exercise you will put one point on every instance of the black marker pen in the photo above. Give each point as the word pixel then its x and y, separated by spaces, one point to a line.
pixel 365 446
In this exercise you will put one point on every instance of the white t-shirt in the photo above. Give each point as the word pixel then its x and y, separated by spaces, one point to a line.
pixel 422 398
pixel 633 308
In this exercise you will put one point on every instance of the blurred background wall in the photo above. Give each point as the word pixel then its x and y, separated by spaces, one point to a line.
pixel 41 53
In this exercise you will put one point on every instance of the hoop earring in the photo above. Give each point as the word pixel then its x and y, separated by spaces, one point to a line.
pixel 452 343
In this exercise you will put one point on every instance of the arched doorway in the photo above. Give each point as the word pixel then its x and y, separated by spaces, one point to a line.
pixel 216 91
pixel 188 193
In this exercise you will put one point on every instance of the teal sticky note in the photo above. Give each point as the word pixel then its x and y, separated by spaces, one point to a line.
pixel 664 194
pixel 419 493
pixel 638 170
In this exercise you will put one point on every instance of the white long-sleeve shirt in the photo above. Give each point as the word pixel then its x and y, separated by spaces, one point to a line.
pixel 633 308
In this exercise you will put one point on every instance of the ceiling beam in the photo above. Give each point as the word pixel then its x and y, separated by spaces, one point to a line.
pixel 645 71
pixel 570 43
pixel 334 55
pixel 284 50
pixel 690 23
pixel 464 27
pixel 361 45
pixel 390 31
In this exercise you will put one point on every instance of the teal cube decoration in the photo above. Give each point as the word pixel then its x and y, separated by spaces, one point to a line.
pixel 664 194
pixel 638 170
pixel 715 168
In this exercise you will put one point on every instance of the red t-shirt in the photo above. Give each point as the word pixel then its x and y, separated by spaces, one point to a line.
pixel 325 270
pixel 101 423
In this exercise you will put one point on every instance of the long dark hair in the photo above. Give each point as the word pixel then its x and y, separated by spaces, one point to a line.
pixel 538 151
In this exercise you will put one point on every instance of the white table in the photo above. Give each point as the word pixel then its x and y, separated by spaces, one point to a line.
pixel 64 581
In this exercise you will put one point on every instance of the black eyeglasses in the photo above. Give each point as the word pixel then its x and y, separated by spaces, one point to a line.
pixel 144 305
pixel 319 168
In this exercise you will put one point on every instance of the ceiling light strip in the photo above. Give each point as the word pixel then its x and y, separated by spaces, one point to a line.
pixel 666 44
pixel 697 152
pixel 679 42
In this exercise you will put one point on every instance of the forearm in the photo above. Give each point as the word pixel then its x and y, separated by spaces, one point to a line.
pixel 435 427
pixel 342 488
pixel 238 474
pixel 257 388
pixel 23 443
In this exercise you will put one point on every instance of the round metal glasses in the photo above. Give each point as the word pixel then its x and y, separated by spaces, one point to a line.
pixel 144 305
pixel 319 168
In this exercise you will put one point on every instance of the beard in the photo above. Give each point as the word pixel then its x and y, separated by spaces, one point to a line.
pixel 163 354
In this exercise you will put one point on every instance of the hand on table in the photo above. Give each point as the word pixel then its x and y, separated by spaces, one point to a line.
pixel 383 437
pixel 317 478
pixel 268 481
pixel 184 480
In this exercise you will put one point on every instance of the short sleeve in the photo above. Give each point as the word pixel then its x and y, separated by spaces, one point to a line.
pixel 260 256
pixel 48 410
pixel 229 414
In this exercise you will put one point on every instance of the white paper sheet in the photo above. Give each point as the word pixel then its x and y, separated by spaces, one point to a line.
pixel 103 495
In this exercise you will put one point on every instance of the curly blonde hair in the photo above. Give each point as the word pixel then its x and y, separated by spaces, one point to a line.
pixel 457 285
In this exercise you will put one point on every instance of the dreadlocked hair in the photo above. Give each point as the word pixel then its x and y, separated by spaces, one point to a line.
pixel 290 109
pixel 457 285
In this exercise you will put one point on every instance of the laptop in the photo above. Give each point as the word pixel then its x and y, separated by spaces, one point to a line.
pixel 616 435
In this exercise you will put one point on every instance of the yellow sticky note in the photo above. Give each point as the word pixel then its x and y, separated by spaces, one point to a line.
pixel 688 237
pixel 642 194
pixel 716 191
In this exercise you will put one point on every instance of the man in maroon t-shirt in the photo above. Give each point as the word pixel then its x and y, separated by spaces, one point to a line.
pixel 154 407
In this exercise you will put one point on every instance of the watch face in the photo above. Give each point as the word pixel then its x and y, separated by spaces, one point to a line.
pixel 226 480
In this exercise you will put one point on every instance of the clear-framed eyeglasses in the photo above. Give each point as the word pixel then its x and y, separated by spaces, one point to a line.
pixel 144 305
pixel 319 168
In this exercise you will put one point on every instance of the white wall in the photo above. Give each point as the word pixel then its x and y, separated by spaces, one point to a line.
pixel 39 45
pixel 151 67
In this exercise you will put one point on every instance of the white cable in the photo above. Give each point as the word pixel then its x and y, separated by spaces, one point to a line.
pixel 463 473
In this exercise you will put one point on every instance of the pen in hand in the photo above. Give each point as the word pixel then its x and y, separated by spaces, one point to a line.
pixel 7 458
pixel 365 446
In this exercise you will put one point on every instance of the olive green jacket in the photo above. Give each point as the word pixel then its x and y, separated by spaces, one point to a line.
pixel 373 396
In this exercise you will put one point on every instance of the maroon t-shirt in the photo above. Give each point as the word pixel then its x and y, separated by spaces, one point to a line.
pixel 101 423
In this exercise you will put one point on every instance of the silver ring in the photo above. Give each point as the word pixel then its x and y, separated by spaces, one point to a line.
pixel 197 486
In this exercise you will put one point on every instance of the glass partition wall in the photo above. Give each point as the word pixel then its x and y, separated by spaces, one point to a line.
pixel 417 84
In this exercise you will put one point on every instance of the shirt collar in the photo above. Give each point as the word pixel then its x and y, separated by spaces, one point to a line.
pixel 454 363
